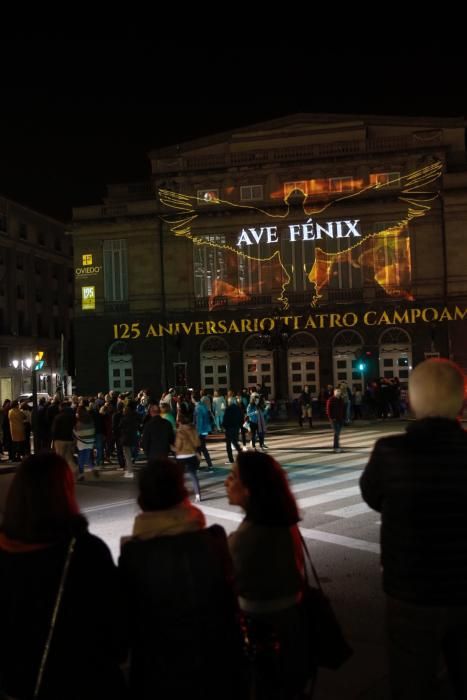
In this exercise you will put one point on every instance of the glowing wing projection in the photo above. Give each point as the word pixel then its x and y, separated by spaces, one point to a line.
pixel 383 255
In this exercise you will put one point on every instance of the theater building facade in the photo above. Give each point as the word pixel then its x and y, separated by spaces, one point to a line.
pixel 300 251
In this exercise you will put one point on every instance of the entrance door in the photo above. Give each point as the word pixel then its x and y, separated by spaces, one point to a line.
pixel 303 370
pixel 121 373
pixel 346 369
pixel 215 373
pixel 395 363
pixel 258 368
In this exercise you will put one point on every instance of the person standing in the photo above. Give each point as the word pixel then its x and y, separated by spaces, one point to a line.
pixel 129 426
pixel 158 434
pixel 202 417
pixel 268 563
pixel 17 419
pixel 84 434
pixel 418 482
pixel 180 601
pixel 335 409
pixel 232 422
pixel 187 444
pixel 306 407
pixel 89 639
pixel 62 434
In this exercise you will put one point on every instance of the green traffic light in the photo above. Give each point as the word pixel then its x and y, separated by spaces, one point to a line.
pixel 361 367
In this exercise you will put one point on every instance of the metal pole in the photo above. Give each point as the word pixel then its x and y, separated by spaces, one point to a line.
pixel 34 409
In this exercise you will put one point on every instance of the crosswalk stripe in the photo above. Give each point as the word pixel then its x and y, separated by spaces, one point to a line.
pixel 328 497
pixel 342 540
pixel 350 511
pixel 320 483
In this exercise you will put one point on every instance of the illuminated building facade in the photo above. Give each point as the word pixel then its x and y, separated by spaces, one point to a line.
pixel 289 253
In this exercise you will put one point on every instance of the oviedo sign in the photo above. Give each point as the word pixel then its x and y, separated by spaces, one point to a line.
pixel 137 329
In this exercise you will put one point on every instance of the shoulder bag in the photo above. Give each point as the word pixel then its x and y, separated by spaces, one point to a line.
pixel 326 644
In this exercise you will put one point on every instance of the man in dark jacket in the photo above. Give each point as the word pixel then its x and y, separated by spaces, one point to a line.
pixel 62 433
pixel 158 435
pixel 335 409
pixel 232 423
pixel 418 482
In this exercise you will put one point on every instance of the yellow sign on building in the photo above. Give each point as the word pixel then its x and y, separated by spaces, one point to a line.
pixel 88 297
pixel 87 259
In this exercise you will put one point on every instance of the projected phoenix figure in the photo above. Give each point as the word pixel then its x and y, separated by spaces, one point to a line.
pixel 258 259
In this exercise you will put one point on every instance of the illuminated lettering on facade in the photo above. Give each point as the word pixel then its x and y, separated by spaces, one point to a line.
pixel 136 329
pixel 309 231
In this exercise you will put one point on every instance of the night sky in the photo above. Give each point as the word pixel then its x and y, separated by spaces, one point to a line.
pixel 63 137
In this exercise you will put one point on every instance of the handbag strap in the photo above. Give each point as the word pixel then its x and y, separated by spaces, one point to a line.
pixel 312 567
pixel 53 619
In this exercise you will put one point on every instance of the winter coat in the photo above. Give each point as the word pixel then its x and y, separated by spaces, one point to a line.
pixel 158 437
pixel 418 482
pixel 88 642
pixel 186 440
pixel 184 637
pixel 17 419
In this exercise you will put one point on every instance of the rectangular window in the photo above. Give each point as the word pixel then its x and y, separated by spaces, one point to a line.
pixel 301 185
pixel 23 231
pixel 207 196
pixel 388 179
pixel 115 270
pixel 341 184
pixel 251 192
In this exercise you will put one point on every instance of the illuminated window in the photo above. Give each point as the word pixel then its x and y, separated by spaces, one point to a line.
pixel 207 196
pixel 251 192
pixel 389 179
pixel 289 187
pixel 340 184
pixel 115 270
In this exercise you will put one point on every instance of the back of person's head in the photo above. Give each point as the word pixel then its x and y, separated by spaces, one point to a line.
pixel 154 410
pixel 436 389
pixel 270 500
pixel 41 504
pixel 161 485
pixel 184 418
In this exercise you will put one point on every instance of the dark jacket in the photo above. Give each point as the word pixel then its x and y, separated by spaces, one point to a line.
pixel 87 644
pixel 128 428
pixel 158 436
pixel 233 417
pixel 335 409
pixel 418 482
pixel 184 637
pixel 62 427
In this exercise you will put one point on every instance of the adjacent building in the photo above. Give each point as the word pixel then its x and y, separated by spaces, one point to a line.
pixel 300 251
pixel 36 299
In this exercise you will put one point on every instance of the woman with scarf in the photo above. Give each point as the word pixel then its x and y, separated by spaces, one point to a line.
pixel 184 633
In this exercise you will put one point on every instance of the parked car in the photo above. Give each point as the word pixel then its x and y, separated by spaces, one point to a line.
pixel 28 397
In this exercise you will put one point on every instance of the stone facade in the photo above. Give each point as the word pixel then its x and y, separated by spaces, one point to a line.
pixel 281 253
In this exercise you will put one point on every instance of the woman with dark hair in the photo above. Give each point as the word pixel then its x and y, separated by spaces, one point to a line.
pixel 184 633
pixel 268 565
pixel 41 519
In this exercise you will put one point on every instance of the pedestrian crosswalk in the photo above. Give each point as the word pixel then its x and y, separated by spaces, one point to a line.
pixel 325 483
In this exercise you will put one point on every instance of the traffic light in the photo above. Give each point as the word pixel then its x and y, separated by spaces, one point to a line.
pixel 361 366
pixel 39 362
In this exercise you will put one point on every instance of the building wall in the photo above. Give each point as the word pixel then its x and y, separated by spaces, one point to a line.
pixel 36 296
pixel 162 286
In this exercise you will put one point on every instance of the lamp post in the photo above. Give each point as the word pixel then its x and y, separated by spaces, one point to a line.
pixel 22 364
pixel 277 340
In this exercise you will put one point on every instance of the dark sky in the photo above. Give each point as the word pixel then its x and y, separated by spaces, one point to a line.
pixel 65 135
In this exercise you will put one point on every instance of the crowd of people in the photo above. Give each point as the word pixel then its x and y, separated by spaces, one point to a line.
pixel 189 612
